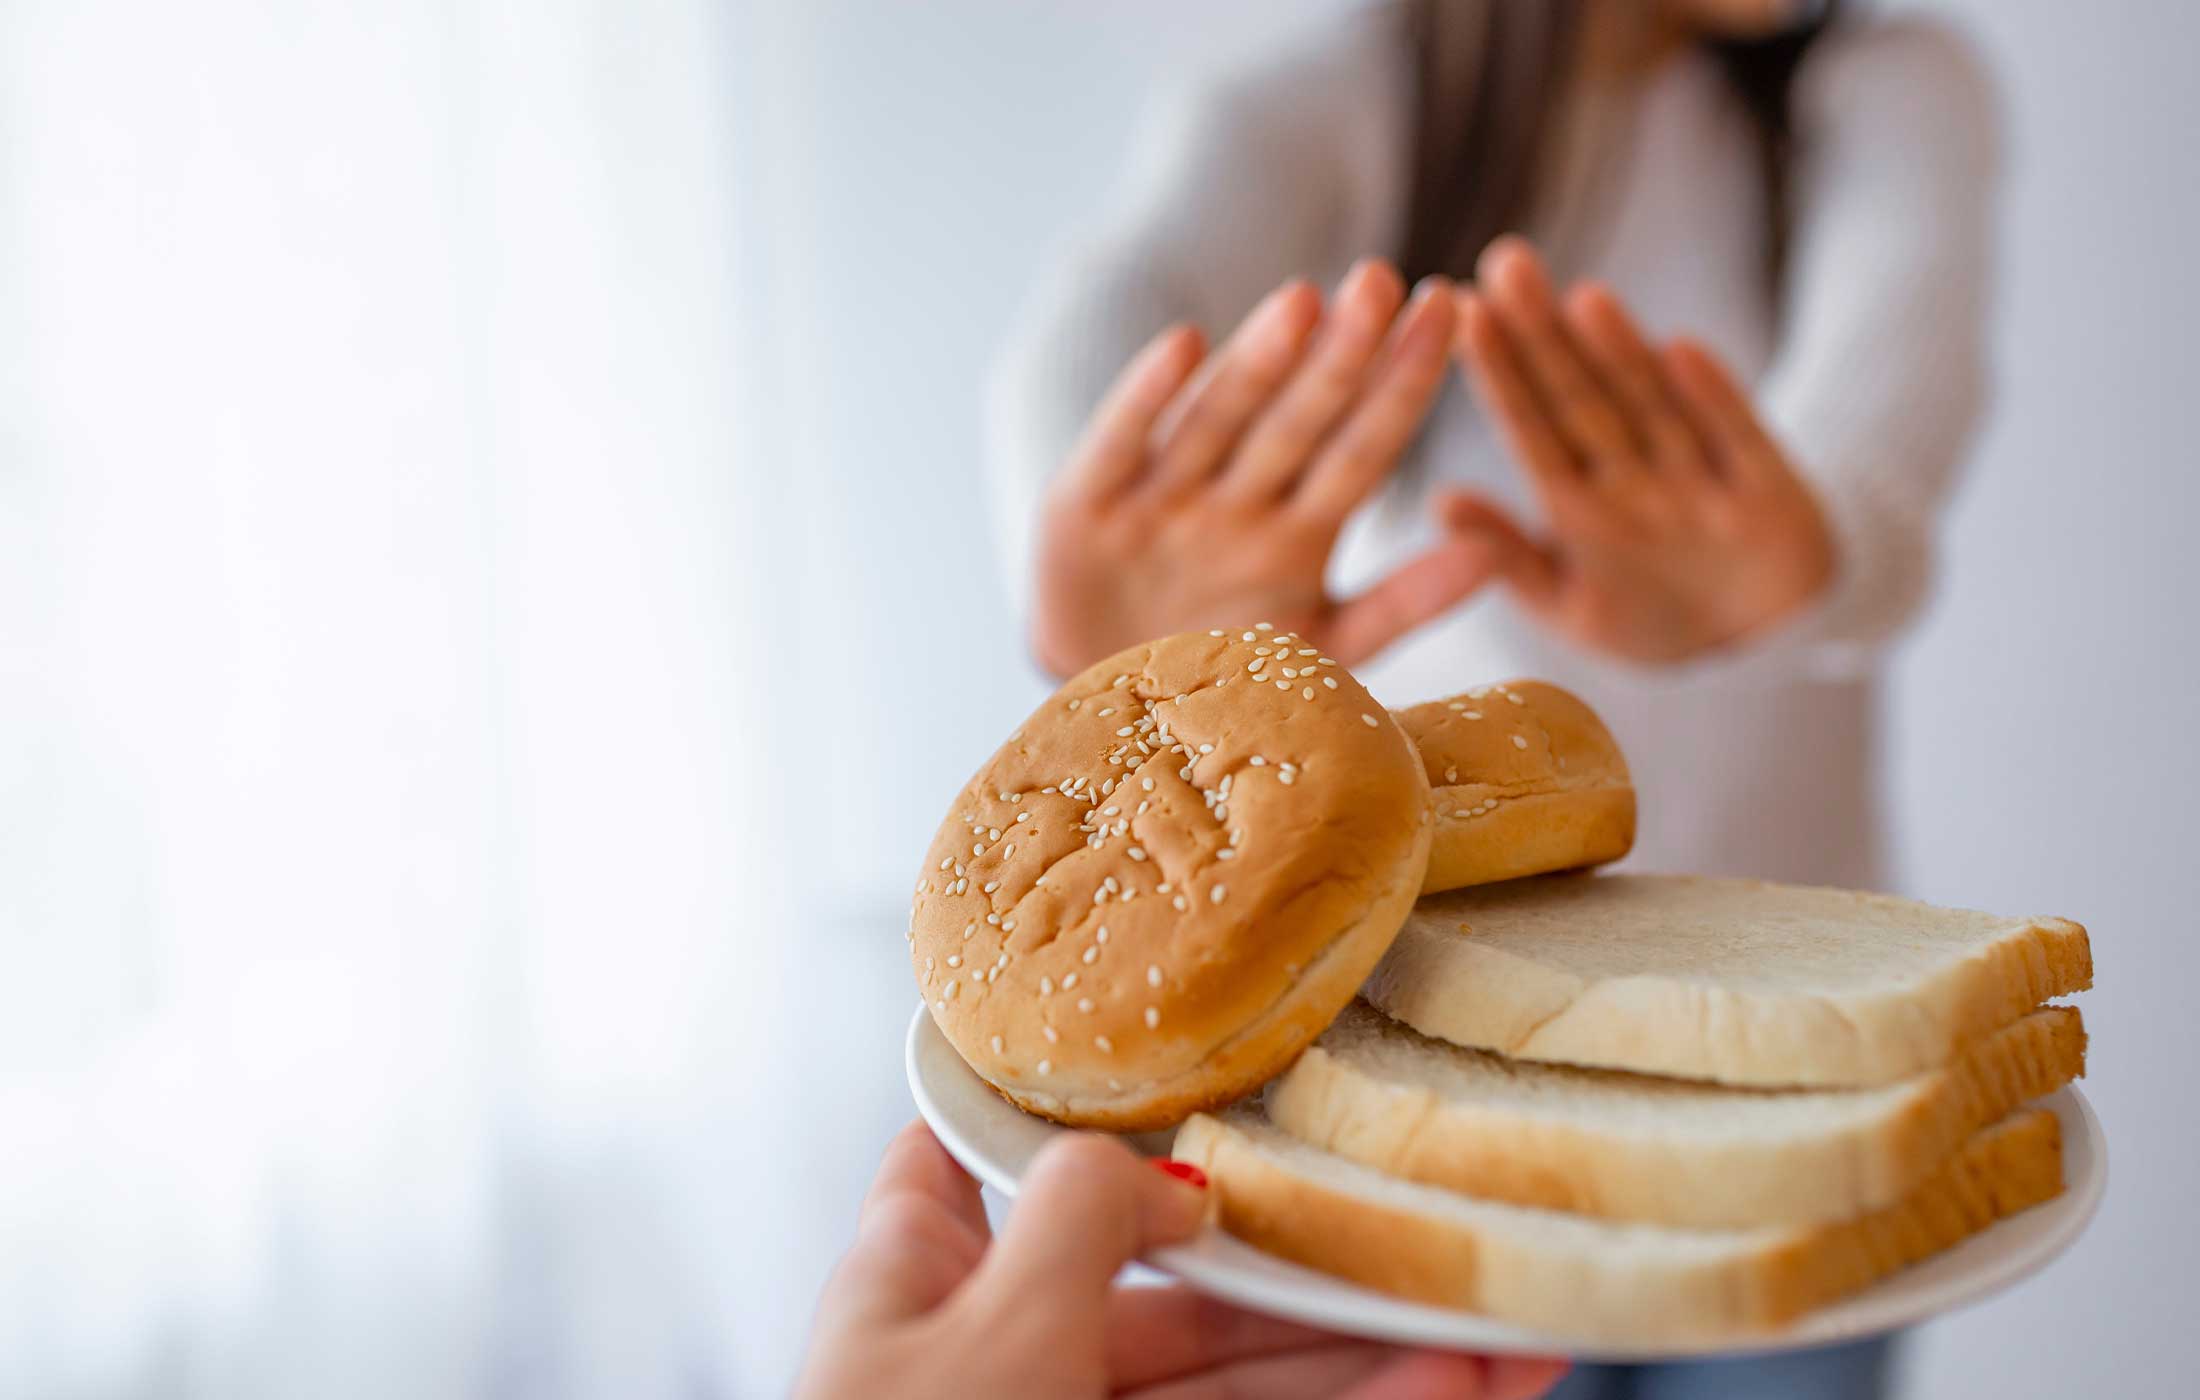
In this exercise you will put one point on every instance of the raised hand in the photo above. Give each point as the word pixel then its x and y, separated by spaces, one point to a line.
pixel 929 1306
pixel 1675 523
pixel 1209 489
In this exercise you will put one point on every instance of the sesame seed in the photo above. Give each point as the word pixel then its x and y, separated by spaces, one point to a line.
pixel 1308 651
pixel 1162 888
pixel 946 862
pixel 1103 1045
pixel 1330 681
pixel 989 886
pixel 1264 627
pixel 1092 953
pixel 1283 685
pixel 1153 1017
pixel 1046 1066
pixel 1474 714
pixel 1008 850
pixel 1247 637
pixel 1075 703
pixel 1007 925
pixel 1103 714
pixel 1153 974
pixel 993 919
pixel 1206 748
pixel 954 960
pixel 1287 777
pixel 1514 698
pixel 1101 936
pixel 1084 1004
pixel 1046 986
pixel 1226 853
pixel 1451 775
pixel 1519 742
pixel 977 850
pixel 969 929
pixel 1261 651
pixel 1306 692
pixel 1218 892
pixel 1217 632
pixel 939 1005
pixel 950 992
pixel 1257 761
pixel 1023 816
pixel 1069 982
pixel 996 1045
pixel 1369 721
pixel 1455 705
pixel 1053 1036
pixel 1125 732
pixel 1326 661
pixel 1290 674
pixel 1179 902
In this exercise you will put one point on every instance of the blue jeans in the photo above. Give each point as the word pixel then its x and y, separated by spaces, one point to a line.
pixel 1850 1371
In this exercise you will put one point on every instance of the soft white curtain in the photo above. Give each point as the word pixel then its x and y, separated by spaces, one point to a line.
pixel 382 852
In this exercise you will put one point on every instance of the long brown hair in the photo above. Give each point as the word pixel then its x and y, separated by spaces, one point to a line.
pixel 1488 74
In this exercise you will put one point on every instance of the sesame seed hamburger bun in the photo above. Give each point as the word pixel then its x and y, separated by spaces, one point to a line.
pixel 1527 780
pixel 1170 879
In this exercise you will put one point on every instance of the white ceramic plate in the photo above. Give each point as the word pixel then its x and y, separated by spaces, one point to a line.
pixel 996 1141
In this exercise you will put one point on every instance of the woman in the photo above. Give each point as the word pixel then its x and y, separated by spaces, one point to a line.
pixel 1806 197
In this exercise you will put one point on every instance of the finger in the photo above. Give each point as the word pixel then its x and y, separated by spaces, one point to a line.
pixel 1531 569
pixel 1367 445
pixel 1283 439
pixel 1522 1377
pixel 921 1233
pixel 1512 278
pixel 1089 1206
pixel 1418 592
pixel 1625 361
pixel 1196 435
pixel 1500 381
pixel 1112 453
pixel 1158 1334
pixel 1722 412
pixel 1312 1374
pixel 915 1163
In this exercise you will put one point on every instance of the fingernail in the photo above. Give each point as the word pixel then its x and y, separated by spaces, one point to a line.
pixel 1182 1171
pixel 1429 288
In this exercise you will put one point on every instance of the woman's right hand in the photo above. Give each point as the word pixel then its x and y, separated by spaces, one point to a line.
pixel 1209 490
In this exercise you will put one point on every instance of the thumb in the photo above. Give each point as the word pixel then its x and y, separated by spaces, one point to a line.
pixel 1418 591
pixel 1528 566
pixel 1089 1206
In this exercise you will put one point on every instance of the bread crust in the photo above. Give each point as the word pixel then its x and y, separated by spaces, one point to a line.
pixel 1170 879
pixel 1526 780
pixel 1670 1172
pixel 1446 982
pixel 1629 1286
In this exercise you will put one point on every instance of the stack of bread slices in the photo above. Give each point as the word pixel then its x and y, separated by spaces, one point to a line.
pixel 1648 1107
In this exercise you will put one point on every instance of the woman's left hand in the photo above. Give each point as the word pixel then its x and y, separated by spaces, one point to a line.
pixel 1676 524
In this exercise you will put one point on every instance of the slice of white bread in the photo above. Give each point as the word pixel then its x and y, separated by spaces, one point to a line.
pixel 1629 1147
pixel 1591 1280
pixel 1738 981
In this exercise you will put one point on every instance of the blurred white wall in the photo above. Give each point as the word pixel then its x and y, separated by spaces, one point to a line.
pixel 494 593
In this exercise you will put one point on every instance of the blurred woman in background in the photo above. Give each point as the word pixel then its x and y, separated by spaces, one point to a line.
pixel 1713 538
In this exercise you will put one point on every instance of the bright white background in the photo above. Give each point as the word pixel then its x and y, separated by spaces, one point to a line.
pixel 494 590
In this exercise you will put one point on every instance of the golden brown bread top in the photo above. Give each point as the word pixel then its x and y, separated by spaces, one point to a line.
pixel 1511 739
pixel 1151 860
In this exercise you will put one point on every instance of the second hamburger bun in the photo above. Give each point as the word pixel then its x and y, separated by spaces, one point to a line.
pixel 1170 879
pixel 1527 780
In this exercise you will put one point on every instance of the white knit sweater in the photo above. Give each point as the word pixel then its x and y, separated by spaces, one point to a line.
pixel 1757 762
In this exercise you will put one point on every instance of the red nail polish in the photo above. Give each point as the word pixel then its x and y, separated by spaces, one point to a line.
pixel 1182 1171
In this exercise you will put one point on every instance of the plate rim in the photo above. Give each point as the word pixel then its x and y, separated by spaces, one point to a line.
pixel 1206 1262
